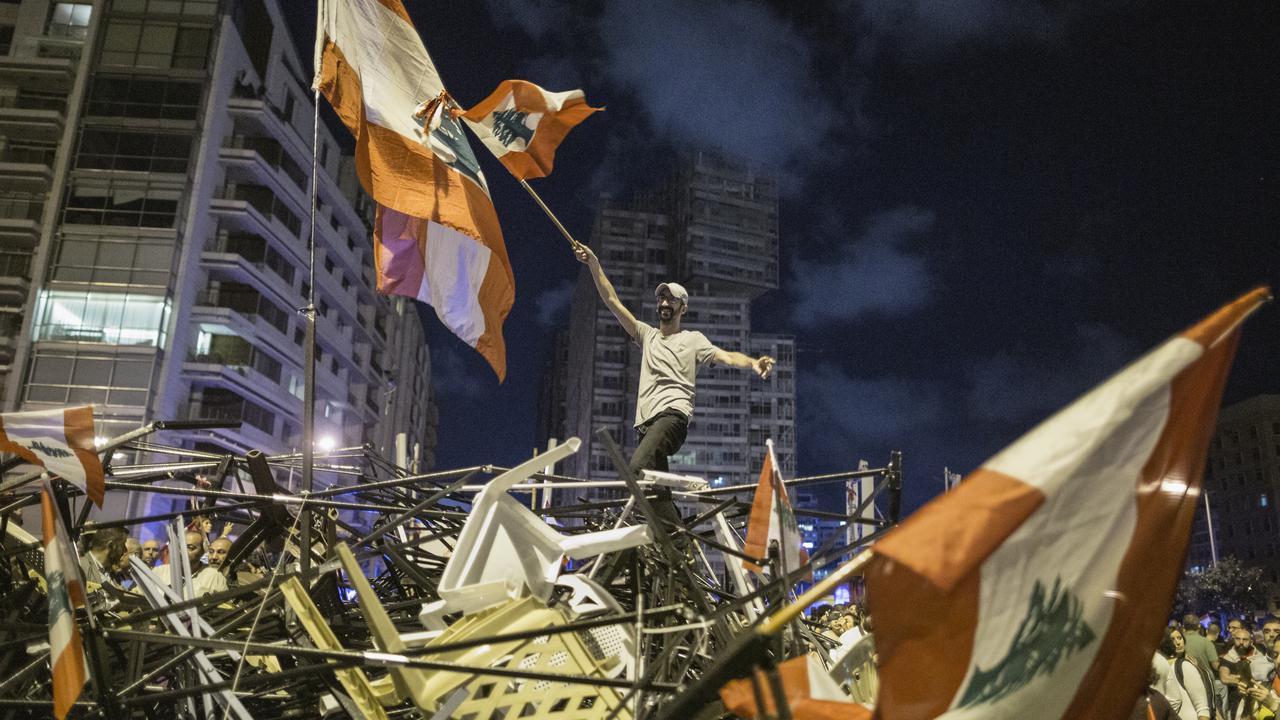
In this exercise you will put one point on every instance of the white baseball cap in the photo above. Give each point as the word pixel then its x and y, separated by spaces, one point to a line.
pixel 676 289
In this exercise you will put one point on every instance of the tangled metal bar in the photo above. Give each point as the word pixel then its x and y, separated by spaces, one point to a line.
pixel 435 594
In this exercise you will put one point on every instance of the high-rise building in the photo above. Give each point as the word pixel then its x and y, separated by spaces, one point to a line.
pixel 1242 482
pixel 714 229
pixel 155 185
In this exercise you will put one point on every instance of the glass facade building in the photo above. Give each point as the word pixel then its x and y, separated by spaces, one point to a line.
pixel 155 181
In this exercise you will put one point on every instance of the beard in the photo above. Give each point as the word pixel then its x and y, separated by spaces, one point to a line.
pixel 665 314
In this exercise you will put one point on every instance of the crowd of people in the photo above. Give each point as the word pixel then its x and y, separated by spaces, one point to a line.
pixel 1201 673
pixel 107 554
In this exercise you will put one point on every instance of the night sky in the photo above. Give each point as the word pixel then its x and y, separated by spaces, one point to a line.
pixel 989 206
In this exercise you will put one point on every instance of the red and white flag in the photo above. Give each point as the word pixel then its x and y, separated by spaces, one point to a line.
pixel 1039 586
pixel 772 519
pixel 60 441
pixel 436 234
pixel 66 592
pixel 523 124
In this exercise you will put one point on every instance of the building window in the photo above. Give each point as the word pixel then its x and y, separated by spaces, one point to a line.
pixel 87 377
pixel 1262 500
pixel 124 261
pixel 111 149
pixel 139 43
pixel 205 8
pixel 69 20
pixel 6 38
pixel 121 204
pixel 101 317
pixel 145 98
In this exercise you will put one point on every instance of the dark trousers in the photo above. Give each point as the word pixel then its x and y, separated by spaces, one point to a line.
pixel 660 438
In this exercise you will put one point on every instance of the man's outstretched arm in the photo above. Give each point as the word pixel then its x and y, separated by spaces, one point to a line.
pixel 762 365
pixel 607 293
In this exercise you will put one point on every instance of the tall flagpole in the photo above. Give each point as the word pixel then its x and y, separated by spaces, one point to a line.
pixel 309 368
pixel 555 220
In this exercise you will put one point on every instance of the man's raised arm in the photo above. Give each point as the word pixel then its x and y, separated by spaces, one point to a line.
pixel 762 365
pixel 607 293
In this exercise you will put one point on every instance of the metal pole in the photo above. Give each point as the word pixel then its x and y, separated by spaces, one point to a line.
pixel 1208 521
pixel 554 220
pixel 309 367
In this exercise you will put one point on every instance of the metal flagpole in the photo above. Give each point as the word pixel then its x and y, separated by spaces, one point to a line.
pixel 309 368
pixel 1208 521
pixel 555 220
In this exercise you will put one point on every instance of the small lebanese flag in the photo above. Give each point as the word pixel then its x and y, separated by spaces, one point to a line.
pixel 59 440
pixel 436 235
pixel 1039 586
pixel 523 124
pixel 767 523
pixel 66 591
pixel 810 694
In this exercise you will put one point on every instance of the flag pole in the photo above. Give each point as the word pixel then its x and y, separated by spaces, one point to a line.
pixel 309 367
pixel 555 220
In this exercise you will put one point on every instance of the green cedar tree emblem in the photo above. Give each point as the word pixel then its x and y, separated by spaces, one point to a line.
pixel 1051 631
pixel 57 583
pixel 509 126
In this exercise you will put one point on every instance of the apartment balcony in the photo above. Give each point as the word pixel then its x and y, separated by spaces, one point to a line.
pixel 246 380
pixel 257 428
pixel 253 312
pixel 257 210
pixel 20 225
pixel 15 277
pixel 29 70
pixel 249 166
pixel 233 267
pixel 26 169
pixel 261 118
pixel 31 116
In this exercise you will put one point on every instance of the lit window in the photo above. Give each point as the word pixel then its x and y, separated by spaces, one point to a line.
pixel 70 20
pixel 1262 500
pixel 98 317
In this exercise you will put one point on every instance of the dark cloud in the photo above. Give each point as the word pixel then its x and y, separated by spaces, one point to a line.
pixel 552 305
pixel 875 274
pixel 847 417
pixel 452 377
pixel 537 18
pixel 715 73
pixel 1024 387
pixel 923 29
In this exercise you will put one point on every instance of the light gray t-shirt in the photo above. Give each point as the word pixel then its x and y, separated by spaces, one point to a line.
pixel 668 367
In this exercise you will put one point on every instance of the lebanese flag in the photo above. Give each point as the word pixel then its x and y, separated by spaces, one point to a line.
pixel 436 236
pixel 60 441
pixel 1040 585
pixel 809 691
pixel 66 591
pixel 523 124
pixel 766 523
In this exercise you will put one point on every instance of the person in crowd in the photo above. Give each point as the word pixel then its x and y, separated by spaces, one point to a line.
pixel 150 552
pixel 1245 670
pixel 1151 705
pixel 1270 633
pixel 1199 648
pixel 106 549
pixel 1194 680
pixel 205 579
pixel 218 550
pixel 1167 685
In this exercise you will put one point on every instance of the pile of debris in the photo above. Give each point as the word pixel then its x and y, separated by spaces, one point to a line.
pixel 445 595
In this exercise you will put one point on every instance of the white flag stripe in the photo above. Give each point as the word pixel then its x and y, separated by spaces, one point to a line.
pixel 386 52
pixel 1081 459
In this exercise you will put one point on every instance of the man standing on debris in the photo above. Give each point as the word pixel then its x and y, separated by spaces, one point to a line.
pixel 668 366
